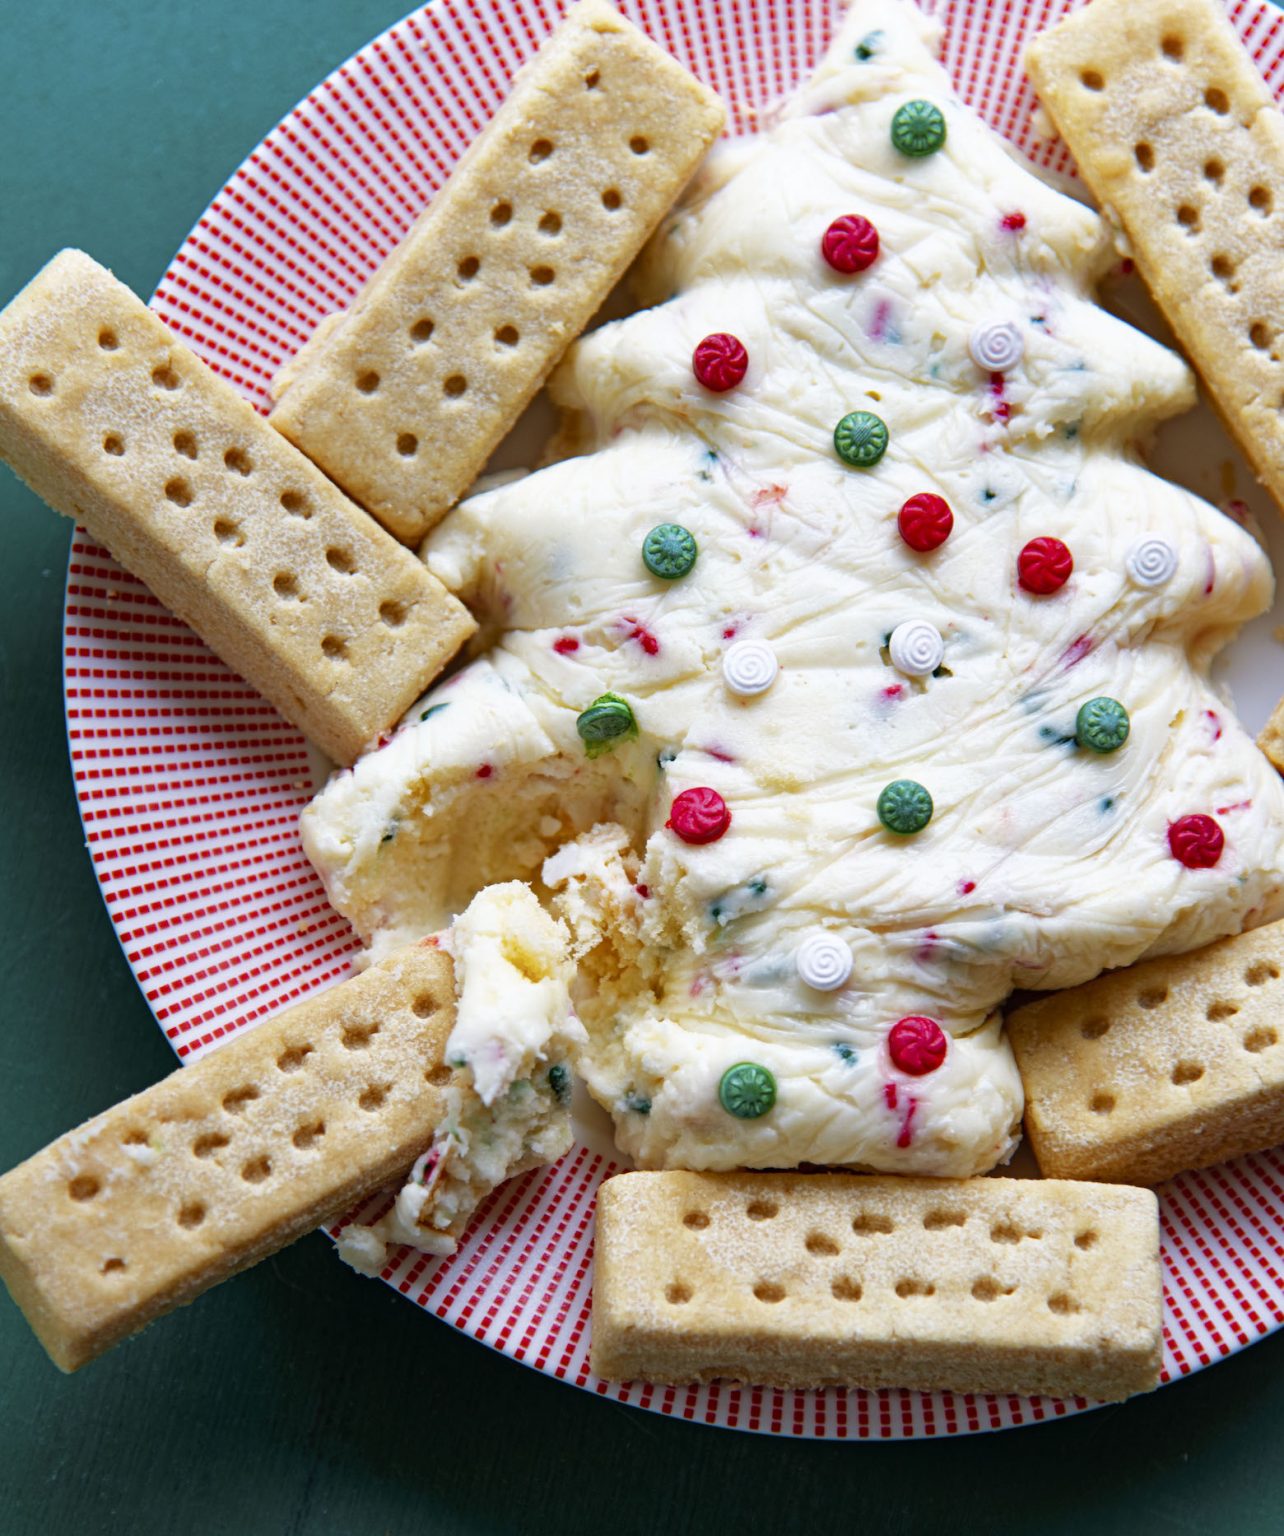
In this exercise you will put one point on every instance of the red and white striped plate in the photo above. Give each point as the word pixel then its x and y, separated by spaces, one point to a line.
pixel 190 786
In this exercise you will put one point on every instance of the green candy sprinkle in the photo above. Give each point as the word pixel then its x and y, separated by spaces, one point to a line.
pixel 669 551
pixel 860 439
pixel 904 807
pixel 1102 725
pixel 433 709
pixel 918 129
pixel 747 1091
pixel 607 720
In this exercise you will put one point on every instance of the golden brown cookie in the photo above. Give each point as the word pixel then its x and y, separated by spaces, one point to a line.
pixel 1271 737
pixel 402 399
pixel 810 1280
pixel 1172 1064
pixel 284 1127
pixel 1181 143
pixel 115 423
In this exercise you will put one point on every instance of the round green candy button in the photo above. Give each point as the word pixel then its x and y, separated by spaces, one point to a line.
pixel 608 719
pixel 860 439
pixel 747 1091
pixel 1102 725
pixel 669 551
pixel 904 806
pixel 918 129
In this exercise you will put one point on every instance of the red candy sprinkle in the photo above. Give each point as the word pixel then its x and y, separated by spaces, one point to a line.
pixel 1196 841
pixel 699 815
pixel 925 521
pixel 720 361
pixel 645 639
pixel 917 1045
pixel 850 244
pixel 1044 566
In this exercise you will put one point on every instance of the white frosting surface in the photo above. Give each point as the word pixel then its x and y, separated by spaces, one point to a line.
pixel 1044 863
pixel 512 977
pixel 508 1110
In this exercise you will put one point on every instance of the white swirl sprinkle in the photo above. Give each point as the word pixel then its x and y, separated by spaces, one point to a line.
pixel 749 667
pixel 1151 562
pixel 916 648
pixel 823 962
pixel 996 346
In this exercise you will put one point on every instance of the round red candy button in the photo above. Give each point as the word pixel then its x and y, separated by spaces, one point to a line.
pixel 917 1045
pixel 1044 566
pixel 850 244
pixel 720 361
pixel 1196 841
pixel 699 815
pixel 925 521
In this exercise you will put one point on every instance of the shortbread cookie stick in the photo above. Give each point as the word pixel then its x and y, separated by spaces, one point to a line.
pixel 402 399
pixel 115 423
pixel 1171 1064
pixel 1271 739
pixel 797 1280
pixel 1179 139
pixel 285 1127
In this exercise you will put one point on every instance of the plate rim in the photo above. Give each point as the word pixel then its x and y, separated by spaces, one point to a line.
pixel 80 542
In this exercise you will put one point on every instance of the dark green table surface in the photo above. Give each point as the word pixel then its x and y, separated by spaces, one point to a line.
pixel 299 1397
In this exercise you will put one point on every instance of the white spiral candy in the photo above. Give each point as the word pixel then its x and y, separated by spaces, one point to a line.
pixel 1151 562
pixel 749 667
pixel 916 648
pixel 996 346
pixel 823 962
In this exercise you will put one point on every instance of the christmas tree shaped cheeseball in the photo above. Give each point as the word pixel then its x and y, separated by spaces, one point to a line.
pixel 854 672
